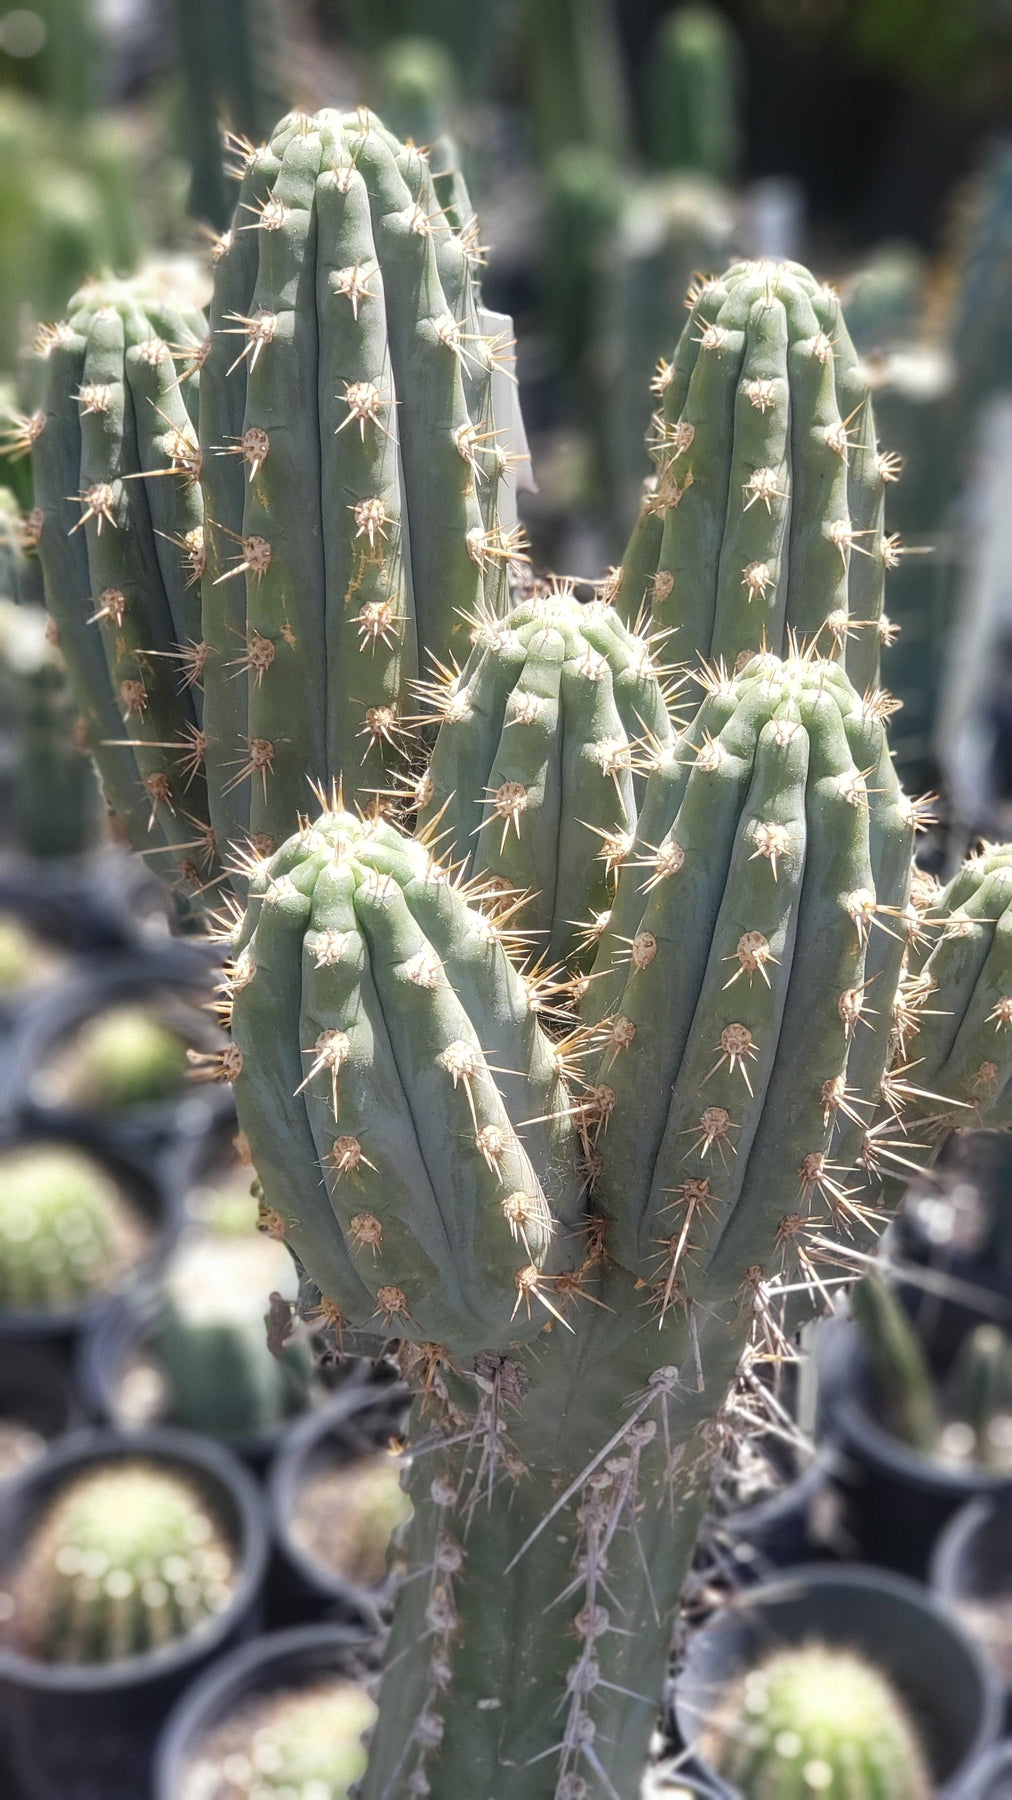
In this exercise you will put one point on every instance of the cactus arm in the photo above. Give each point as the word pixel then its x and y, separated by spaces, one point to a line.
pixel 520 847
pixel 64 553
pixel 224 476
pixel 285 592
pixel 818 567
pixel 166 443
pixel 898 1362
pixel 961 1047
pixel 371 647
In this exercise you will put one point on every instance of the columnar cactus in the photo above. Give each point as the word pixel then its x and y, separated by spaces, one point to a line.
pixel 817 1719
pixel 693 78
pixel 66 1231
pixel 899 1365
pixel 127 1557
pixel 56 795
pixel 765 521
pixel 122 1056
pixel 337 549
pixel 532 781
pixel 120 531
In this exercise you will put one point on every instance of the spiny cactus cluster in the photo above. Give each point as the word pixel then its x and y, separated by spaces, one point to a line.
pixel 817 1720
pixel 306 1742
pixel 965 1416
pixel 765 521
pixel 67 1232
pixel 127 1557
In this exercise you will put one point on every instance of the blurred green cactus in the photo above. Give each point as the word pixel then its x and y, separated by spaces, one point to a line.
pixel 67 1232
pixel 57 803
pixel 692 80
pixel 123 1056
pixel 307 1742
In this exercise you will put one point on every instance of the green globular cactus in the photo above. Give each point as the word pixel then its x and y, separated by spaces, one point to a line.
pixel 57 802
pixel 817 1720
pixel 123 1056
pixel 765 520
pixel 67 1232
pixel 127 1558
pixel 693 79
pixel 343 545
pixel 585 190
pixel 978 1400
pixel 308 1742
pixel 120 529
pixel 898 1362
pixel 531 783
pixel 210 1335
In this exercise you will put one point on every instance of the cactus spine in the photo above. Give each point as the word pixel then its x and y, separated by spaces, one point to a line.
pixel 817 1720
pixel 66 1231
pixel 765 522
pixel 127 1558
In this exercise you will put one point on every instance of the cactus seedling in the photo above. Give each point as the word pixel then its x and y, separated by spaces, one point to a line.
pixel 127 1557
pixel 817 1721
pixel 307 1742
pixel 66 1230
pixel 122 1056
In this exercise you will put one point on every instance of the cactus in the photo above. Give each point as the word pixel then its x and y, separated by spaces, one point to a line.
pixel 210 1337
pixel 127 1557
pixel 120 530
pixel 313 608
pixel 234 59
pixel 978 1400
pixel 123 1056
pixel 415 89
pixel 344 1517
pixel 692 84
pixel 20 574
pixel 57 802
pixel 584 197
pixel 67 1233
pixel 307 1742
pixel 532 782
pixel 898 1362
pixel 884 298
pixel 817 1719
pixel 765 520
pixel 575 85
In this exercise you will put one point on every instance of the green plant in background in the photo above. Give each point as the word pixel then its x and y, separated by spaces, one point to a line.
pixel 575 88
pixel 67 1232
pixel 307 1742
pixel 692 80
pixel 415 88
pixel 765 520
pixel 123 1056
pixel 210 1339
pixel 543 724
pixel 57 802
pixel 817 1719
pixel 898 1362
pixel 883 299
pixel 234 58
pixel 127 1557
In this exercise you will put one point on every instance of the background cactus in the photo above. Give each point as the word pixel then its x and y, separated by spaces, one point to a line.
pixel 757 528
pixel 817 1719
pixel 67 1232
pixel 898 1362
pixel 692 88
pixel 57 802
pixel 309 1741
pixel 123 1056
pixel 127 1557
pixel 345 1516
pixel 532 781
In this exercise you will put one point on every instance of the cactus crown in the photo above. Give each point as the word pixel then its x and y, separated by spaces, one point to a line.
pixel 817 1721
pixel 127 1558
pixel 66 1230
pixel 307 1743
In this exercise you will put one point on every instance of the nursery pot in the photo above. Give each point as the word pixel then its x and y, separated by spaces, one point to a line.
pixel 972 1569
pixel 794 1525
pixel 158 1203
pixel 358 1419
pixel 947 1684
pixel 87 1732
pixel 35 1392
pixel 896 1500
pixel 992 1778
pixel 284 1660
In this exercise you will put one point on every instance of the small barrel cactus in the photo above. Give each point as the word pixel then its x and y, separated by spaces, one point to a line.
pixel 765 521
pixel 210 1337
pixel 122 1056
pixel 67 1232
pixel 532 781
pixel 817 1721
pixel 127 1557
pixel 307 1742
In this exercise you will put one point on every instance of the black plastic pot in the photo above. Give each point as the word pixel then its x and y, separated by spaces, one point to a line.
pixel 795 1525
pixel 361 1417
pixel 109 901
pixel 138 1169
pixel 972 1566
pixel 992 1778
pixel 35 1391
pixel 88 1732
pixel 124 1329
pixel 896 1500
pixel 178 975
pixel 946 1682
pixel 283 1660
